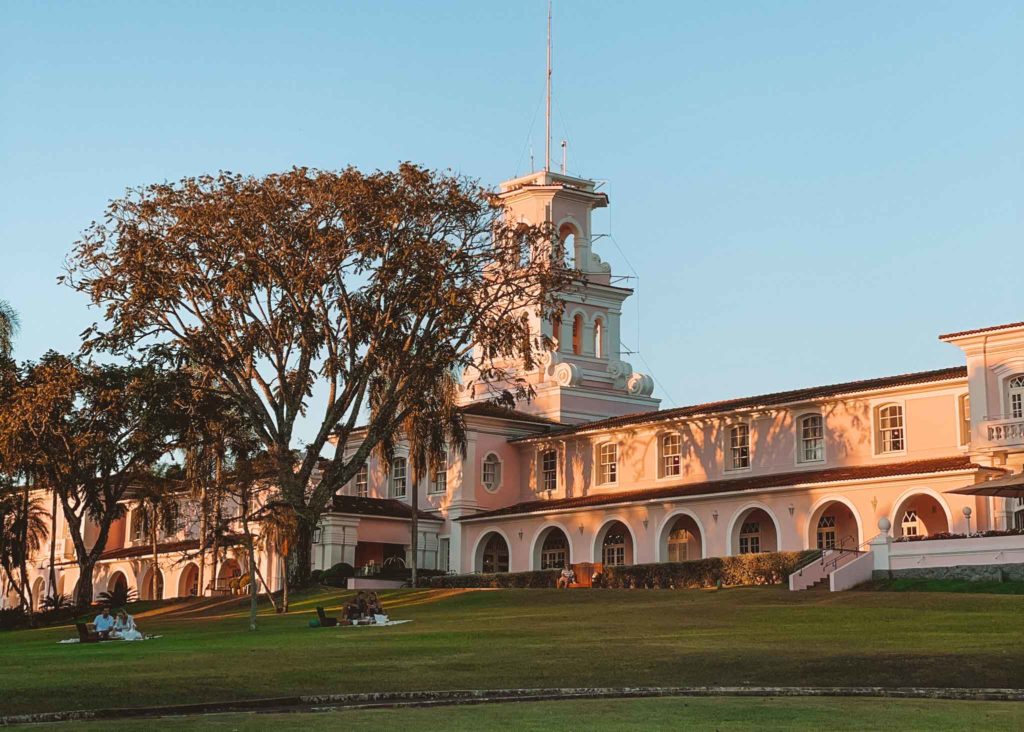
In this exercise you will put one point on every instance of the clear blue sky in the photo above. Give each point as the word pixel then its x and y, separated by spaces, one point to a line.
pixel 809 192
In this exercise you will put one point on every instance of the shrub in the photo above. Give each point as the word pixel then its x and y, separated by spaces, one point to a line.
pixel 768 568
pixel 57 602
pixel 316 576
pixel 120 596
pixel 12 618
pixel 337 576
pixel 542 578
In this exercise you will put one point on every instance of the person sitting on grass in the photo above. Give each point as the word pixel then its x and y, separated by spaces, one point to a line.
pixel 104 623
pixel 125 628
pixel 356 610
pixel 567 577
pixel 374 605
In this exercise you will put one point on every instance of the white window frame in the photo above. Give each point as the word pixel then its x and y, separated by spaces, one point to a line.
pixel 607 469
pixel 802 439
pixel 880 431
pixel 668 460
pixel 675 541
pixel 827 533
pixel 617 552
pixel 394 476
pixel 497 476
pixel 734 452
pixel 750 537
pixel 361 483
pixel 963 418
pixel 548 473
pixel 554 558
pixel 910 523
pixel 439 476
pixel 1015 396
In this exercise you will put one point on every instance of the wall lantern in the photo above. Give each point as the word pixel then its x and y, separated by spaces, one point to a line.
pixel 792 508
pixel 581 528
pixel 520 534
pixel 645 523
pixel 714 515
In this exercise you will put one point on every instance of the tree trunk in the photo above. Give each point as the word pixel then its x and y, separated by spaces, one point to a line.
pixel 270 594
pixel 216 520
pixel 284 584
pixel 53 545
pixel 202 540
pixel 153 585
pixel 300 556
pixel 414 544
pixel 31 609
pixel 83 595
pixel 253 567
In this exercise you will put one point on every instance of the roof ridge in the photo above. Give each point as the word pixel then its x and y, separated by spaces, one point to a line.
pixel 777 397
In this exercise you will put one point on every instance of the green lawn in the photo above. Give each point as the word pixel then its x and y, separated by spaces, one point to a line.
pixel 935 585
pixel 619 714
pixel 533 638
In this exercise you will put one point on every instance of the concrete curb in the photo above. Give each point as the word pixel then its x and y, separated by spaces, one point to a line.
pixel 335 702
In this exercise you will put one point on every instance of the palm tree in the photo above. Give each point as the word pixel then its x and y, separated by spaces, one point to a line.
pixel 278 529
pixel 23 530
pixel 9 326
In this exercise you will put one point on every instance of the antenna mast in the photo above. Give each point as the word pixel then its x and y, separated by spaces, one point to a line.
pixel 547 116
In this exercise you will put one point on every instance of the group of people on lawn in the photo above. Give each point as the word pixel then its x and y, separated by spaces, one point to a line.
pixel 364 605
pixel 116 627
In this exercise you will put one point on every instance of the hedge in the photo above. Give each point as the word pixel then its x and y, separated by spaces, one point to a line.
pixel 768 568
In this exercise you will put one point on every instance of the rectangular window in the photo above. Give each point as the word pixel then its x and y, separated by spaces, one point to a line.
pixel 739 447
pixel 439 480
pixel 812 439
pixel 362 481
pixel 750 538
pixel 671 455
pixel 965 419
pixel 608 465
pixel 549 470
pixel 890 428
pixel 443 552
pixel 397 478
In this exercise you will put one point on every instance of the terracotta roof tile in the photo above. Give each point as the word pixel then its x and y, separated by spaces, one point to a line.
pixel 735 485
pixel 385 507
pixel 980 330
pixel 485 409
pixel 763 400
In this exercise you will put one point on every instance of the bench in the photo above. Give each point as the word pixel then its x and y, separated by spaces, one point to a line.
pixel 87 633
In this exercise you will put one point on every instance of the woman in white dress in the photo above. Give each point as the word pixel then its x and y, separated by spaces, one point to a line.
pixel 124 627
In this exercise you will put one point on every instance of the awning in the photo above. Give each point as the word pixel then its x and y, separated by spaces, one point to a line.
pixel 1011 486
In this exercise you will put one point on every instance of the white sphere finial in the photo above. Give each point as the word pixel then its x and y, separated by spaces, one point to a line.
pixel 884 525
pixel 967 511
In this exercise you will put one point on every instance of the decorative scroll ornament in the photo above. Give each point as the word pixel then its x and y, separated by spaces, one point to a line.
pixel 620 372
pixel 567 374
pixel 640 385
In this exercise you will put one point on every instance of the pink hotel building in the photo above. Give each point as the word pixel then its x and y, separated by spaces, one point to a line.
pixel 590 470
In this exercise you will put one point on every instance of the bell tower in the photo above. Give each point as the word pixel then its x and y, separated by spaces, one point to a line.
pixel 583 378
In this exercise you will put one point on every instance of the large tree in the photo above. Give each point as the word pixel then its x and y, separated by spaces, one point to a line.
pixel 372 290
pixel 87 432
pixel 9 325
pixel 23 529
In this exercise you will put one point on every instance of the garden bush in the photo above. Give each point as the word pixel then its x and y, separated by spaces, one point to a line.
pixel 769 568
pixel 337 576
pixel 543 578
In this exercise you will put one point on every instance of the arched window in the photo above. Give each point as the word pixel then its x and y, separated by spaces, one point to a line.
pixel 439 478
pixel 599 338
pixel 362 481
pixel 613 548
pixel 608 463
pixel 827 532
pixel 1015 393
pixel 397 479
pixel 491 473
pixel 739 447
pixel 890 429
pixel 812 439
pixel 909 523
pixel 549 470
pixel 556 330
pixel 750 538
pixel 554 554
pixel 671 446
pixel 965 419
pixel 577 335
pixel 1018 514
pixel 140 524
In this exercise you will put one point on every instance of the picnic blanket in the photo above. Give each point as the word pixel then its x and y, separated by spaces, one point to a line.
pixel 375 625
pixel 113 640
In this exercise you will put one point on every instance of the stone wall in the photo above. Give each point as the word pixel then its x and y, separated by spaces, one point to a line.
pixel 969 572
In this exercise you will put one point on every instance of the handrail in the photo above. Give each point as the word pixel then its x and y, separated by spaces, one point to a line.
pixel 857 550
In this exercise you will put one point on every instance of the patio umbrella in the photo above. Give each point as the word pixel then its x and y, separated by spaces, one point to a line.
pixel 1012 486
